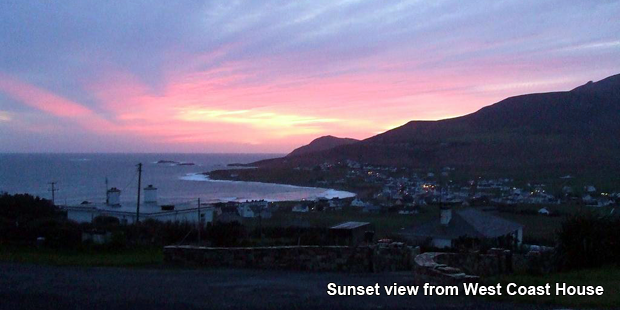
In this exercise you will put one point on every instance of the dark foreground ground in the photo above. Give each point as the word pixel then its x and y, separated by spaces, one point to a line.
pixel 25 286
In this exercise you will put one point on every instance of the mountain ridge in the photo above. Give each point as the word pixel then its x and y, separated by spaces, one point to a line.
pixel 321 144
pixel 566 128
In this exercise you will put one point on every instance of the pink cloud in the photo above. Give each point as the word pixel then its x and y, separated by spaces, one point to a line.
pixel 53 104
pixel 233 103
pixel 41 99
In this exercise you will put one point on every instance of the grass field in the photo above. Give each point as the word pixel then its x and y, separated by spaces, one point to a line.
pixel 538 229
pixel 608 277
pixel 385 224
pixel 140 257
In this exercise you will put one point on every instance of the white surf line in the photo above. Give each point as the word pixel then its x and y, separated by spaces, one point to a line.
pixel 327 192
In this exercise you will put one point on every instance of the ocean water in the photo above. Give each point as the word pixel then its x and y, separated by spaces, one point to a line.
pixel 81 177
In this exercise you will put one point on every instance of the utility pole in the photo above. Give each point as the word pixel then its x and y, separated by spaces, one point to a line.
pixel 139 188
pixel 199 221
pixel 260 226
pixel 107 199
pixel 53 190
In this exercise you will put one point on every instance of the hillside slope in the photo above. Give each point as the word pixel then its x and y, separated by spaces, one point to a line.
pixel 573 128
pixel 321 144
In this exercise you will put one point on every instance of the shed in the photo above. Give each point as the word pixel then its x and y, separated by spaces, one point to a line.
pixel 351 233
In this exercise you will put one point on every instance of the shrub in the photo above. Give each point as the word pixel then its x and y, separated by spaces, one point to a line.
pixel 225 234
pixel 57 233
pixel 103 221
pixel 588 240
pixel 118 241
pixel 24 207
pixel 151 232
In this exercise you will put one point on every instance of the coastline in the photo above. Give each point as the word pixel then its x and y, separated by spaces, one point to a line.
pixel 328 193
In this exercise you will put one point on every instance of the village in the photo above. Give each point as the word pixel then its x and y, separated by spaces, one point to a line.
pixel 401 192
pixel 439 226
pixel 395 203
pixel 305 154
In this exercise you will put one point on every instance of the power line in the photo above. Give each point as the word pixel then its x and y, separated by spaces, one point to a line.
pixel 133 177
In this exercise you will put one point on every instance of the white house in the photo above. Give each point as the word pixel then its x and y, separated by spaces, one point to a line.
pixel 252 208
pixel 544 211
pixel 358 203
pixel 588 199
pixel 127 212
pixel 86 214
pixel 245 210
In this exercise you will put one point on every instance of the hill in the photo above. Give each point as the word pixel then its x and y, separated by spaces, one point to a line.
pixel 321 144
pixel 569 129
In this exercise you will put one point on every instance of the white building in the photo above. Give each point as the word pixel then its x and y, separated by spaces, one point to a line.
pixel 358 203
pixel 252 208
pixel 113 197
pixel 150 194
pixel 544 211
pixel 301 208
pixel 126 213
pixel 245 210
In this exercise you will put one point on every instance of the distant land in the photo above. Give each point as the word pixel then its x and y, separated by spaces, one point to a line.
pixel 566 130
pixel 321 144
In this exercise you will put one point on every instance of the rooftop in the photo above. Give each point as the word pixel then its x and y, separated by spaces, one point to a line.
pixel 467 222
pixel 350 225
pixel 131 206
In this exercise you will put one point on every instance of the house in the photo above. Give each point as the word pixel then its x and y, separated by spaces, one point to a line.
pixel 264 213
pixel 229 217
pixel 408 211
pixel 321 204
pixel 358 203
pixel 252 208
pixel 300 208
pixel 371 208
pixel 587 199
pixel 336 203
pixel 544 211
pixel 466 223
pixel 126 213
pixel 245 211
pixel 217 211
pixel 601 202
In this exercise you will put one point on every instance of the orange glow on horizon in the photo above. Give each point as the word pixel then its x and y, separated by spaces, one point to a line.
pixel 200 109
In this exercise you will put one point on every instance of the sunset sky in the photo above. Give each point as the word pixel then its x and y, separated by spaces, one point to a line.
pixel 268 76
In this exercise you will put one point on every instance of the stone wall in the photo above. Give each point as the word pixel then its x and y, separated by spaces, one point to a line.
pixel 427 269
pixel 441 268
pixel 374 258
pixel 456 268
pixel 394 256
pixel 496 262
